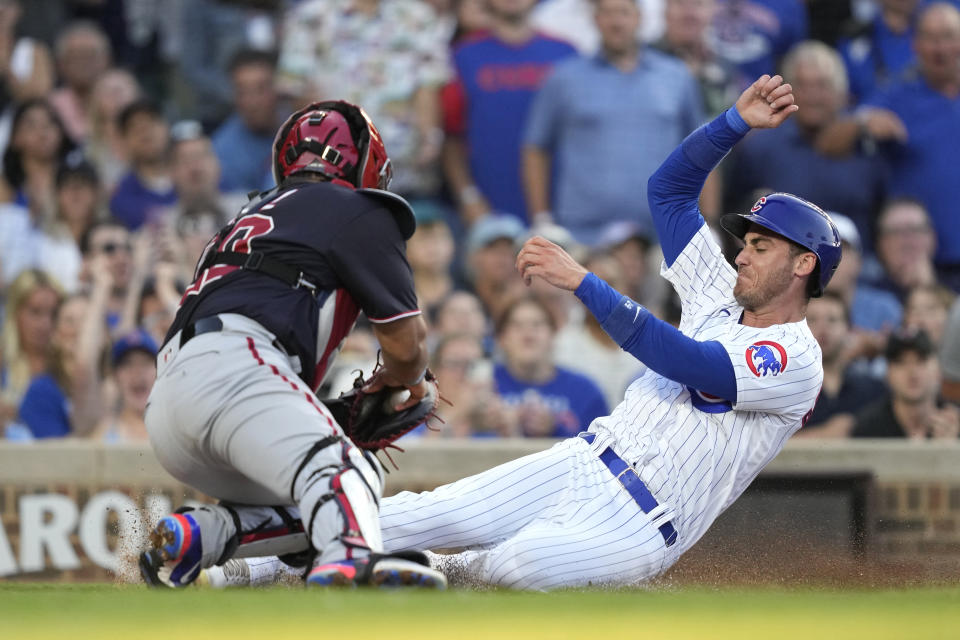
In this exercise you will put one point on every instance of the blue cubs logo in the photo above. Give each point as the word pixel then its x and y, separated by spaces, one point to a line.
pixel 758 205
pixel 766 358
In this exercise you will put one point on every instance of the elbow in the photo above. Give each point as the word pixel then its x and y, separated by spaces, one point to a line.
pixel 657 190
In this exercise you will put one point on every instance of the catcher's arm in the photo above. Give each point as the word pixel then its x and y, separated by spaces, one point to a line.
pixel 404 351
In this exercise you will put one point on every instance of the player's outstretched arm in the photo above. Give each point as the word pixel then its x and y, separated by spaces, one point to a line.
pixel 674 188
pixel 702 365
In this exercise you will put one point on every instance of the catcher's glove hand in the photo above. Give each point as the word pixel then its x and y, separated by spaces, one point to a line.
pixel 369 419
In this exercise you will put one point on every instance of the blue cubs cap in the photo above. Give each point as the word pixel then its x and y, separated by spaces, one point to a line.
pixel 796 220
pixel 137 340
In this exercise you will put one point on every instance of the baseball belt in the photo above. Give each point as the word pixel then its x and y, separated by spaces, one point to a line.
pixel 628 477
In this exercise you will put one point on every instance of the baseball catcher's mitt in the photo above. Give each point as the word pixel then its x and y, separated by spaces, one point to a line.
pixel 369 419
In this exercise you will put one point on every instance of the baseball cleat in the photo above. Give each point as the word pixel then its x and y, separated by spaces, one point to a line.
pixel 174 559
pixel 335 574
pixel 378 570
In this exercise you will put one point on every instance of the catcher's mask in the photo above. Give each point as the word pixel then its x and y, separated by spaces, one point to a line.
pixel 335 139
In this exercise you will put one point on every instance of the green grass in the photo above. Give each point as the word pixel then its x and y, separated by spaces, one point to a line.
pixel 34 611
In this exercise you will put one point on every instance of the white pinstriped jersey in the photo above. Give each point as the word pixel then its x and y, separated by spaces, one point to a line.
pixel 696 453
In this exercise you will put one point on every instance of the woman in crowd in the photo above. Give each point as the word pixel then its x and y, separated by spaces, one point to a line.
pixel 38 146
pixel 78 203
pixel 31 305
pixel 113 91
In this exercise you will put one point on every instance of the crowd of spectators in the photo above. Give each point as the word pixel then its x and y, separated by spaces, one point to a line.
pixel 131 130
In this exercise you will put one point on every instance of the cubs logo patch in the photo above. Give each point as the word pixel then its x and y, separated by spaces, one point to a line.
pixel 758 205
pixel 766 358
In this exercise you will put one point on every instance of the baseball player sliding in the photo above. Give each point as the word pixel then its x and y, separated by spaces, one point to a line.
pixel 233 411
pixel 622 501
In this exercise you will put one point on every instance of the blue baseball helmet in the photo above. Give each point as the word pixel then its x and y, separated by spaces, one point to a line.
pixel 799 221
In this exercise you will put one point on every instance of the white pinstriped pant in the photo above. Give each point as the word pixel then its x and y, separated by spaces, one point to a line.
pixel 557 518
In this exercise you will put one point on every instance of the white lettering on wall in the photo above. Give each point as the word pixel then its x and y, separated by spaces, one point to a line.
pixel 8 566
pixel 45 523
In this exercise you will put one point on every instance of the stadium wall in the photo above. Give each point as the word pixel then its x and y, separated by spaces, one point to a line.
pixel 73 511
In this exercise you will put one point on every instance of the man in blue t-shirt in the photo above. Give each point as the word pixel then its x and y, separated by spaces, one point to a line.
pixel 147 188
pixel 485 108
pixel 243 143
pixel 550 401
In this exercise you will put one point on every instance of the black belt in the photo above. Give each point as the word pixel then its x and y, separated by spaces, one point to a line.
pixel 201 326
pixel 634 486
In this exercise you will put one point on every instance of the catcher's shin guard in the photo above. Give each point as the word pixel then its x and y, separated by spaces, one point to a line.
pixel 340 502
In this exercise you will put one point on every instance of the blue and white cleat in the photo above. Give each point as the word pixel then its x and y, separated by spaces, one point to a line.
pixel 406 569
pixel 174 559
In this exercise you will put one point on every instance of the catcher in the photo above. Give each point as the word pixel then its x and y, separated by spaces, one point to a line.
pixel 233 412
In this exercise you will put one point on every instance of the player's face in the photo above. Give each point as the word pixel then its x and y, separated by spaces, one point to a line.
pixel 914 379
pixel 765 269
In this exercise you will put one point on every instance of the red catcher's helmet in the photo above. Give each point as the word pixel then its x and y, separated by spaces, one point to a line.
pixel 336 139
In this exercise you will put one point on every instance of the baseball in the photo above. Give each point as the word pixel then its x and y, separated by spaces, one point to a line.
pixel 397 397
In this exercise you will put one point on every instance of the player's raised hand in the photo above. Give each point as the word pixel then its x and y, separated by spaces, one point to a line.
pixel 542 258
pixel 766 103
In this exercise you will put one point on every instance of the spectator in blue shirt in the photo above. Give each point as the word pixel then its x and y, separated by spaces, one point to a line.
pixel 786 158
pixel 641 103
pixel 244 142
pixel 550 401
pixel 147 187
pixel 915 123
pixel 878 50
pixel 67 399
